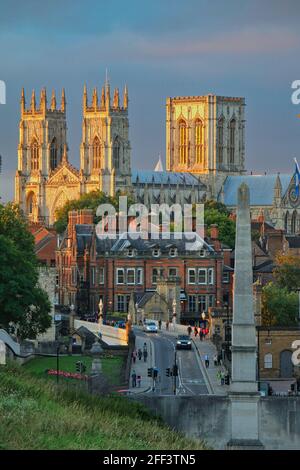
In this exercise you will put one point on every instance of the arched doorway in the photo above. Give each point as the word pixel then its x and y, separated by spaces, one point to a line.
pixel 286 365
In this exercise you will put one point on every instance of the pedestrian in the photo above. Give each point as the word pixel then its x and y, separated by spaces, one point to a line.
pixel 219 376
pixel 206 359
pixel 195 331
pixel 159 324
pixel 133 355
pixel 215 360
pixel 222 377
pixel 201 335
pixel 145 354
pixel 139 380
pixel 133 378
pixel 140 354
pixel 167 325
pixel 199 331
pixel 189 330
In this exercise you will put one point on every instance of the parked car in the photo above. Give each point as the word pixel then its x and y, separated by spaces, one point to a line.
pixel 183 342
pixel 120 324
pixel 150 327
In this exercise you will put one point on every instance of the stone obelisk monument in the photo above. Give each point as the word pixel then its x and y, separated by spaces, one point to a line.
pixel 244 396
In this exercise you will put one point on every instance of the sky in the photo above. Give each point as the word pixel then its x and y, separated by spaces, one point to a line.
pixel 159 48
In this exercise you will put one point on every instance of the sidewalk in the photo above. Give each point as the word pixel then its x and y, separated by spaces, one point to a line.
pixel 207 347
pixel 141 367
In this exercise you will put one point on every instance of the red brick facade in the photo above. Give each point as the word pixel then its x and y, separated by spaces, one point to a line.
pixel 90 269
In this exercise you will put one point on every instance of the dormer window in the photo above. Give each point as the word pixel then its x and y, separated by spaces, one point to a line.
pixel 173 252
pixel 130 252
pixel 156 252
pixel 202 253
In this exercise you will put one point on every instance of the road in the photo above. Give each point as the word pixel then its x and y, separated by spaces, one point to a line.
pixel 190 380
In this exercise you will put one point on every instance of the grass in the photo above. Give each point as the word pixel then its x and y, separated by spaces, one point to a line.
pixel 111 366
pixel 37 415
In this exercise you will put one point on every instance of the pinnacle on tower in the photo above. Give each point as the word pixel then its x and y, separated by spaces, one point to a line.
pixel 65 154
pixel 103 98
pixel 95 99
pixel 125 100
pixel 53 101
pixel 43 100
pixel 63 101
pixel 116 103
pixel 33 103
pixel 85 99
pixel 22 101
pixel 107 94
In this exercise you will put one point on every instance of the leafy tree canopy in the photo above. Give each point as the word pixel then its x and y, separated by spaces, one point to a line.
pixel 22 301
pixel 287 272
pixel 279 306
pixel 87 201
pixel 217 213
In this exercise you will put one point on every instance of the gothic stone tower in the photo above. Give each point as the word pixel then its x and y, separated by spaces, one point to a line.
pixel 105 147
pixel 205 136
pixel 42 143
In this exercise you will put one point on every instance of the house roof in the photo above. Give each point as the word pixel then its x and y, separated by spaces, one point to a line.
pixel 261 188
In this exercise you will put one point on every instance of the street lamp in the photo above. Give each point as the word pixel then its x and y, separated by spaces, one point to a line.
pixel 174 312
pixel 100 311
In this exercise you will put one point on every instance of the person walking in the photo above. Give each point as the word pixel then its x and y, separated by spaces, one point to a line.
pixel 206 359
pixel 219 376
pixel 167 325
pixel 133 356
pixel 215 360
pixel 222 377
pixel 140 354
pixel 159 324
pixel 195 331
pixel 139 380
pixel 145 352
pixel 189 330
pixel 133 379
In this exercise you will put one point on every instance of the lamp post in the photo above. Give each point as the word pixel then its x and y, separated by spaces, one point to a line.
pixel 100 321
pixel 174 304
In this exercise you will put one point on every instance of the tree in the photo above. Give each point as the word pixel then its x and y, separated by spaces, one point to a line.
pixel 279 306
pixel 287 272
pixel 22 302
pixel 219 216
pixel 87 201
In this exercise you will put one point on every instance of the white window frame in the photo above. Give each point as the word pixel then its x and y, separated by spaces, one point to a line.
pixel 211 276
pixel 226 279
pixel 156 252
pixel 268 361
pixel 127 271
pixel 189 274
pixel 173 252
pixel 101 275
pixel 120 270
pixel 205 271
pixel 139 276
pixel 176 269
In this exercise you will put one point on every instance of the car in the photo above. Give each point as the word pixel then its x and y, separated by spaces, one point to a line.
pixel 150 327
pixel 183 342
pixel 120 324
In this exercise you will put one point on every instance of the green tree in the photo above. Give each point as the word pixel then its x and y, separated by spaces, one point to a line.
pixel 279 306
pixel 22 301
pixel 226 226
pixel 287 272
pixel 90 200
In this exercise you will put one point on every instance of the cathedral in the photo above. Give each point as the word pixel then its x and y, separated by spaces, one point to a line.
pixel 205 157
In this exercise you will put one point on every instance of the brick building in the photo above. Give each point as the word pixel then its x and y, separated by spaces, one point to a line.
pixel 90 268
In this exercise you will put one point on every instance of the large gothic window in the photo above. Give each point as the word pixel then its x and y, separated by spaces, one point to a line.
pixel 53 154
pixel 232 141
pixel 199 141
pixel 96 154
pixel 182 142
pixel 116 154
pixel 30 203
pixel 220 140
pixel 35 160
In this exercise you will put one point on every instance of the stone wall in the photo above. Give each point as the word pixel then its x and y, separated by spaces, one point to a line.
pixel 208 417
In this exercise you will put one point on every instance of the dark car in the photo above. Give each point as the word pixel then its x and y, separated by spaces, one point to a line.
pixel 183 342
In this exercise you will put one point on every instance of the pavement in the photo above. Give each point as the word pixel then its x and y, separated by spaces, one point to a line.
pixel 141 367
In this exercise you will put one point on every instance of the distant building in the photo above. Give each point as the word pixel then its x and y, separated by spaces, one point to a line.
pixel 90 268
